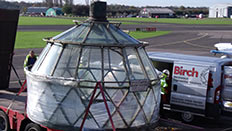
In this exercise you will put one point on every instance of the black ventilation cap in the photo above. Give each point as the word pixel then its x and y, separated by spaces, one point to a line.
pixel 98 11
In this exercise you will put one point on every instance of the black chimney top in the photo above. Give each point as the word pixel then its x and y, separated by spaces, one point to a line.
pixel 98 11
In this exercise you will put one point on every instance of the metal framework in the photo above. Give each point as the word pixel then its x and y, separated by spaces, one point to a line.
pixel 67 71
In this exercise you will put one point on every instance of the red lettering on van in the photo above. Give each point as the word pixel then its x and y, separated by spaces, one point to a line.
pixel 180 71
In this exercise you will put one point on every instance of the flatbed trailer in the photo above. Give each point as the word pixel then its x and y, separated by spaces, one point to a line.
pixel 13 114
pixel 12 118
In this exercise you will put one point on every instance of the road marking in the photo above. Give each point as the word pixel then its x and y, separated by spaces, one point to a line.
pixel 183 41
pixel 191 44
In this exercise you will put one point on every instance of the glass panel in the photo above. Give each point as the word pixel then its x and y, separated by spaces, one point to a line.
pixel 99 34
pixel 114 68
pixel 99 111
pixel 41 57
pixel 134 66
pixel 50 60
pixel 141 96
pixel 118 96
pixel 118 122
pixel 90 64
pixel 68 62
pixel 77 34
pixel 61 120
pixel 122 37
pixel 140 120
pixel 147 64
pixel 129 108
pixel 150 105
pixel 95 58
pixel 73 106
pixel 63 34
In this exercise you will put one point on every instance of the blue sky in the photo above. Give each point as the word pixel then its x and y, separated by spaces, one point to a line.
pixel 191 3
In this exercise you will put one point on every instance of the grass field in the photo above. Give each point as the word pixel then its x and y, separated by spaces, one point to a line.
pixel 23 20
pixel 69 21
pixel 34 39
pixel 142 35
pixel 44 21
pixel 219 21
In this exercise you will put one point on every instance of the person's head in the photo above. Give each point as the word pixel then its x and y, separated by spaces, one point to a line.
pixel 31 53
pixel 166 72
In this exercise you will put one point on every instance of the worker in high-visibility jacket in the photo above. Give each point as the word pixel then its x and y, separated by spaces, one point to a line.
pixel 164 83
pixel 30 60
pixel 164 90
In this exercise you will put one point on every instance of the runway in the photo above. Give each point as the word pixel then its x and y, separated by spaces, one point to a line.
pixel 185 39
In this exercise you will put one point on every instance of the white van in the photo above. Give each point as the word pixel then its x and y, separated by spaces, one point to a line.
pixel 198 85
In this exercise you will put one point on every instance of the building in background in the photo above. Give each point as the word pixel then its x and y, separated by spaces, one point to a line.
pixel 221 11
pixel 157 13
pixel 55 11
pixel 36 11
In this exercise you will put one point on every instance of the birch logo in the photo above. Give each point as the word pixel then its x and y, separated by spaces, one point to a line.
pixel 180 71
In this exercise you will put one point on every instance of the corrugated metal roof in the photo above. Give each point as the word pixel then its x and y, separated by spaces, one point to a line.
pixel 222 5
pixel 56 8
pixel 158 10
pixel 37 9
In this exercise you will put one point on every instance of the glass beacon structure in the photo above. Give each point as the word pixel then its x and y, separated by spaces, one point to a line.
pixel 77 61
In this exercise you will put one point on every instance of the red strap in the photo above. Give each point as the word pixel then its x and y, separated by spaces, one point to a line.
pixel 107 108
pixel 87 110
pixel 22 88
pixel 98 84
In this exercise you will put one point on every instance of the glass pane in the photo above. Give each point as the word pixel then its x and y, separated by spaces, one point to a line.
pixel 114 70
pixel 122 37
pixel 68 62
pixel 95 58
pixel 150 105
pixel 40 58
pixel 99 34
pixel 129 108
pixel 77 34
pixel 147 64
pixel 134 66
pixel 140 119
pixel 50 60
pixel 90 67
pixel 65 33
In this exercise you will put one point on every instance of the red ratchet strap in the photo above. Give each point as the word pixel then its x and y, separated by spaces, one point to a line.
pixel 22 88
pixel 98 84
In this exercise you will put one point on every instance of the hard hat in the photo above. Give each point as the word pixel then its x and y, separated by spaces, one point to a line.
pixel 165 71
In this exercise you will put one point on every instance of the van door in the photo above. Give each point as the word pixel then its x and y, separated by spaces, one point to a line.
pixel 227 89
pixel 189 87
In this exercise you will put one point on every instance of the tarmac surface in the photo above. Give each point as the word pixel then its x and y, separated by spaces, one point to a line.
pixel 184 39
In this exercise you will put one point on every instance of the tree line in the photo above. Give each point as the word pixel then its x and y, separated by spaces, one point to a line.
pixel 123 10
pixel 112 10
pixel 58 3
pixel 115 10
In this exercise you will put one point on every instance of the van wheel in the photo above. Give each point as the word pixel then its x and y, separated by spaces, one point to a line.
pixel 4 122
pixel 187 117
pixel 33 127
